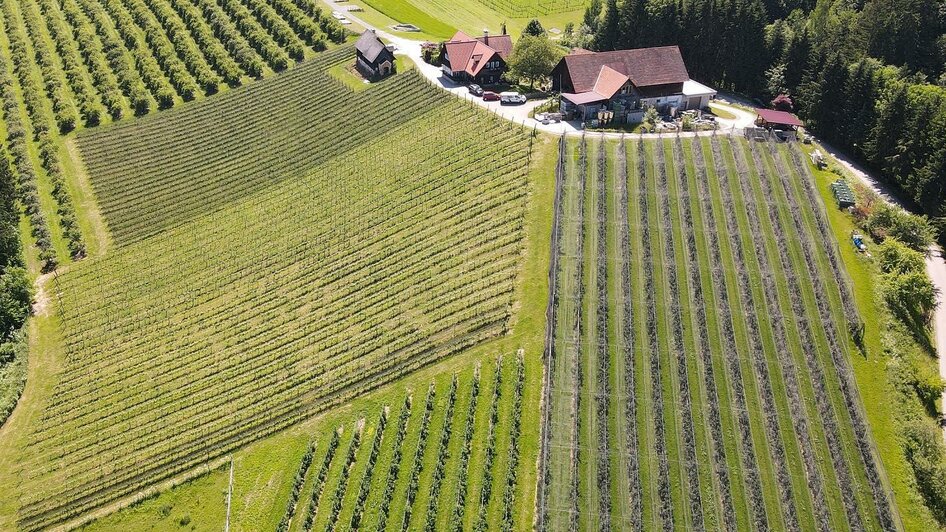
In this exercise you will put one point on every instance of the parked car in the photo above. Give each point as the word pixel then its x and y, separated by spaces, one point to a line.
pixel 475 89
pixel 511 98
pixel 489 96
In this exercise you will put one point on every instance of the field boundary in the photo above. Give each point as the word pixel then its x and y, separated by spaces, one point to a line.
pixel 550 312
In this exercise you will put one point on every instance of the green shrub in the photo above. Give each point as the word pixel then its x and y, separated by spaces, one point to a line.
pixel 911 296
pixel 888 221
pixel 16 293
pixel 896 257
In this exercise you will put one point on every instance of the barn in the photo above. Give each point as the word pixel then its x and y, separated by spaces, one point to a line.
pixel 626 82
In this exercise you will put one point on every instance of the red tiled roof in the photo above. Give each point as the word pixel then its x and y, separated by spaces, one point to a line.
pixel 779 117
pixel 644 66
pixel 471 55
pixel 460 37
pixel 459 53
pixel 609 82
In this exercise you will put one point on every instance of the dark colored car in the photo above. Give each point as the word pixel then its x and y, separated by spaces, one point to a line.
pixel 475 89
pixel 489 96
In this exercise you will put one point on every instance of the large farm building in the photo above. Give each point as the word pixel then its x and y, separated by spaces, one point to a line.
pixel 626 82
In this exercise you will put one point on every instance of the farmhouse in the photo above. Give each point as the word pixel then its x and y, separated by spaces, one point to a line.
pixel 481 60
pixel 626 82
pixel 373 59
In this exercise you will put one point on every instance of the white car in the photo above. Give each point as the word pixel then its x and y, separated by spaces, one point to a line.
pixel 511 98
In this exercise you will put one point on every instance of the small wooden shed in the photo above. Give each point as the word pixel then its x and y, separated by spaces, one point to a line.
pixel 781 120
pixel 372 58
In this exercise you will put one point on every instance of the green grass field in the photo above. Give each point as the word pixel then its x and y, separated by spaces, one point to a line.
pixel 185 362
pixel 439 19
pixel 701 378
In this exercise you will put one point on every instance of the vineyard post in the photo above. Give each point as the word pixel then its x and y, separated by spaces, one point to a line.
pixel 226 526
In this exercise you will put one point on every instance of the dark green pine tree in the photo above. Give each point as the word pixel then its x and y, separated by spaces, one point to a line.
pixel 796 58
pixel 861 92
pixel 632 19
pixel 607 35
pixel 885 146
pixel 828 107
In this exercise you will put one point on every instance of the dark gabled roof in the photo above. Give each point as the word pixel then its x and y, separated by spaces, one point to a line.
pixel 369 45
pixel 501 43
pixel 645 67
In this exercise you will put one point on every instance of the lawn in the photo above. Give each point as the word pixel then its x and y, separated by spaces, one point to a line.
pixel 406 12
pixel 720 111
pixel 440 18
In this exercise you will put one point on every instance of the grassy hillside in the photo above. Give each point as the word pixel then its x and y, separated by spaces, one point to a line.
pixel 290 291
pixel 439 19
pixel 705 372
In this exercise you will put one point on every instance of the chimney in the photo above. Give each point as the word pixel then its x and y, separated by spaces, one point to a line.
pixel 504 28
pixel 486 36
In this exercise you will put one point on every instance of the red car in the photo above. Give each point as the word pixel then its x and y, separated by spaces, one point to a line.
pixel 490 96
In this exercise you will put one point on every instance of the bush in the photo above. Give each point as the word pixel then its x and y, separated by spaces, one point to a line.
pixel 16 294
pixel 895 257
pixel 889 221
pixel 783 102
pixel 911 296
pixel 925 451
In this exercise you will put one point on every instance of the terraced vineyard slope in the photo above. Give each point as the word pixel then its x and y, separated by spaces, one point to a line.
pixel 272 258
pixel 698 375
pixel 534 8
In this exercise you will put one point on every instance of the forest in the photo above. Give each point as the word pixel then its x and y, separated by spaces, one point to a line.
pixel 866 75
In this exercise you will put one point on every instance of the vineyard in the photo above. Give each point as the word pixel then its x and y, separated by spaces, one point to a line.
pixel 698 372
pixel 161 171
pixel 72 64
pixel 255 281
pixel 443 458
pixel 534 8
